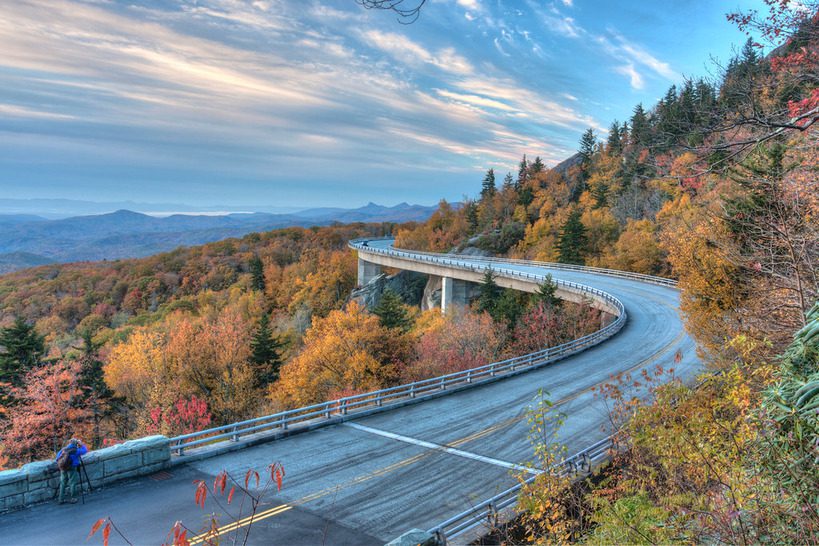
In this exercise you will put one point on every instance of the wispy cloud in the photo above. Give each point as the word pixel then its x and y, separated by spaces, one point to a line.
pixel 14 110
pixel 635 79
pixel 410 52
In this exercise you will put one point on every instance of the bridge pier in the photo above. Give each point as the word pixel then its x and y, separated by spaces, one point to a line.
pixel 367 271
pixel 454 292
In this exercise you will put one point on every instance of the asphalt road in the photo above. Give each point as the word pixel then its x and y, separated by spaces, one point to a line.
pixel 371 479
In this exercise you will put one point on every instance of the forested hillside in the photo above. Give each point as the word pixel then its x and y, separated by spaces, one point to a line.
pixel 231 330
pixel 166 343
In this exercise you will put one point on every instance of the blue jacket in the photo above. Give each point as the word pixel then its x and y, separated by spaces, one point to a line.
pixel 75 457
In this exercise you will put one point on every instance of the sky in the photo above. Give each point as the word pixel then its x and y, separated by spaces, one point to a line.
pixel 277 103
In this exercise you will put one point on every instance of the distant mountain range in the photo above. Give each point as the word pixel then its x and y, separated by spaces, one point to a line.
pixel 28 240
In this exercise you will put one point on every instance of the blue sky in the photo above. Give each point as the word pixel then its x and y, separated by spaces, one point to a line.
pixel 301 102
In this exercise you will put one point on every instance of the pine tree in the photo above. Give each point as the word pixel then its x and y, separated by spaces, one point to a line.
pixel 624 135
pixel 98 396
pixel 265 355
pixel 488 189
pixel 547 293
pixel 572 242
pixel 391 312
pixel 749 55
pixel 588 145
pixel 489 294
pixel 22 349
pixel 639 127
pixel 508 182
pixel 257 273
pixel 537 165
pixel 523 174
pixel 471 213
pixel 614 146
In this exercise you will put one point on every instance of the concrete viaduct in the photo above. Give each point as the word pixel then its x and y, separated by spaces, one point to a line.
pixel 364 470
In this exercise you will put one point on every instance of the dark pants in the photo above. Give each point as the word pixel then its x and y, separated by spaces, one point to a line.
pixel 69 483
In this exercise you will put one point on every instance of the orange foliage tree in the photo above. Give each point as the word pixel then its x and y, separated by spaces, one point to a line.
pixel 345 352
pixel 52 408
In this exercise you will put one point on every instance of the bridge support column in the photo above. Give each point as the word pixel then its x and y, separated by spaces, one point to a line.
pixel 454 292
pixel 367 271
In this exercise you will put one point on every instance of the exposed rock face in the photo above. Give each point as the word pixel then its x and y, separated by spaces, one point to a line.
pixel 407 284
pixel 472 250
pixel 432 293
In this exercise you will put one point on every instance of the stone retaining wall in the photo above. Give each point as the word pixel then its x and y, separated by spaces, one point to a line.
pixel 39 481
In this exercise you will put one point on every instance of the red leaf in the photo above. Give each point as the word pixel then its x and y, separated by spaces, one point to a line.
pixel 106 532
pixel 95 528
pixel 230 495
pixel 201 494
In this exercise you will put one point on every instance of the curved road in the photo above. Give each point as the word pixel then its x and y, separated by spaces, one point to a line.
pixel 371 479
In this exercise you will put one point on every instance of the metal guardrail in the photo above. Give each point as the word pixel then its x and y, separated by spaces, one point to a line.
pixel 326 411
pixel 357 245
pixel 487 512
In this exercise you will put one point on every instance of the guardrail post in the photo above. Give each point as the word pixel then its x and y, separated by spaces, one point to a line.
pixel 179 449
pixel 493 515
pixel 284 422
pixel 343 407
pixel 327 409
pixel 492 370
pixel 443 384
pixel 412 391
pixel 585 462
pixel 469 376
pixel 235 436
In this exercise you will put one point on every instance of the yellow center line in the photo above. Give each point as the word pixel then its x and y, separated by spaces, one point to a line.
pixel 411 460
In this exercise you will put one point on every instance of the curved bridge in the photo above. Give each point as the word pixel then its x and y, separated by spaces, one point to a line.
pixel 365 477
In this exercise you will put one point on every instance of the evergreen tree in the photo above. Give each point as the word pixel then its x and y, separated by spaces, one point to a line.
pixel 572 243
pixel 509 307
pixel 526 196
pixel 489 295
pixel 257 273
pixel 98 397
pixel 600 193
pixel 471 213
pixel 546 293
pixel 22 349
pixel 588 145
pixel 614 146
pixel 523 174
pixel 639 127
pixel 508 182
pixel 391 312
pixel 537 165
pixel 624 135
pixel 488 188
pixel 749 55
pixel 265 355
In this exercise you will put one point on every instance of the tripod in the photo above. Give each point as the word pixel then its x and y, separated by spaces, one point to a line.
pixel 83 473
